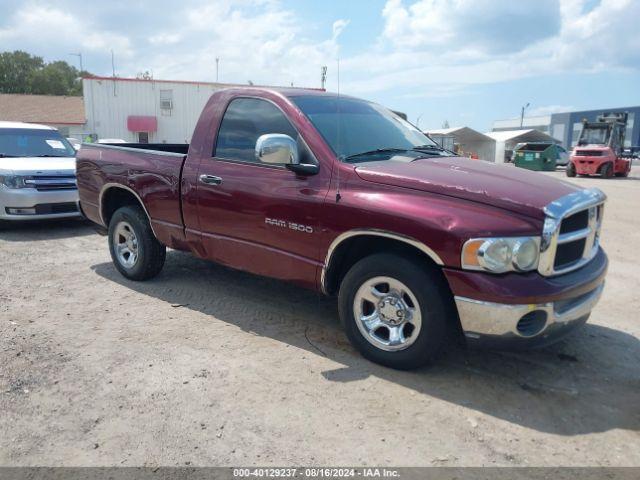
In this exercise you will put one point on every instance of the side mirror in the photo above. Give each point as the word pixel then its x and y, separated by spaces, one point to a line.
pixel 277 149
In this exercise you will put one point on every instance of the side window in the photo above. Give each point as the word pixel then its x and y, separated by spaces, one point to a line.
pixel 243 122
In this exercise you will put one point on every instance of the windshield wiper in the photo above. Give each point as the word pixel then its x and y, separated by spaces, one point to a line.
pixel 52 156
pixel 429 147
pixel 373 152
pixel 4 155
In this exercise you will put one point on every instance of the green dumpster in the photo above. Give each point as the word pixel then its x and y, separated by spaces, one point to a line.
pixel 537 156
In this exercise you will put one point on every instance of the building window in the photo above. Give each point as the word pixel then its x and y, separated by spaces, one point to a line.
pixel 628 135
pixel 166 101
pixel 558 132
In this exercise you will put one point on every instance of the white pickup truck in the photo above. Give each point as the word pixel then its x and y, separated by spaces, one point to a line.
pixel 37 173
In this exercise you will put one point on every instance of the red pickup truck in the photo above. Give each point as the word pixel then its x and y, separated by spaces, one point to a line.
pixel 341 195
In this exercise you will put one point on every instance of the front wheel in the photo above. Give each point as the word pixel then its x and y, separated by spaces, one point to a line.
pixel 135 251
pixel 571 170
pixel 607 170
pixel 395 310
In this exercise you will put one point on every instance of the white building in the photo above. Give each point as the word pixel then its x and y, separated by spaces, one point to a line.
pixel 139 110
pixel 508 139
pixel 538 122
pixel 465 141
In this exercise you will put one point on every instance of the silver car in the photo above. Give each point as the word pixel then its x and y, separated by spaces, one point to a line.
pixel 37 173
pixel 563 157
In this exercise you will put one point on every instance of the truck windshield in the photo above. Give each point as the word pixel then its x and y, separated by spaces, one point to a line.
pixel 594 136
pixel 31 142
pixel 357 130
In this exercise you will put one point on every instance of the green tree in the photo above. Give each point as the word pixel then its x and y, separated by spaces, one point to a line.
pixel 21 72
pixel 16 69
pixel 56 78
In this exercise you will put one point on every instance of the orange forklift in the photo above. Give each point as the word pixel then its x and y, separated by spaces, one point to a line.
pixel 600 148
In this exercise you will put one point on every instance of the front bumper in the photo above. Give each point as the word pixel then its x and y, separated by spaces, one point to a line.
pixel 525 311
pixel 523 325
pixel 589 165
pixel 38 204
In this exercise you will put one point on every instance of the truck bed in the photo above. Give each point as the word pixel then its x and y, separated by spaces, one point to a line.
pixel 150 171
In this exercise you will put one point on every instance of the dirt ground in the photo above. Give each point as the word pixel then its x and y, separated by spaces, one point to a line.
pixel 208 366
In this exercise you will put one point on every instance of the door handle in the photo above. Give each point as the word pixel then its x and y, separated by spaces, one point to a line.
pixel 210 179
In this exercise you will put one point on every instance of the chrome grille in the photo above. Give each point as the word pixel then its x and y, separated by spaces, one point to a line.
pixel 52 182
pixel 571 232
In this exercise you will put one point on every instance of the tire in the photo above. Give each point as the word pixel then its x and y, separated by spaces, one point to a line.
pixel 426 299
pixel 571 170
pixel 607 170
pixel 145 257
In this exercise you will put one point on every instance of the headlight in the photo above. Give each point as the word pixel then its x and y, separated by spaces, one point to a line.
pixel 500 255
pixel 14 181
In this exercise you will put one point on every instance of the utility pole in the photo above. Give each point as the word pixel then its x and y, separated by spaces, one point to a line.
pixel 524 107
pixel 113 70
pixel 79 55
pixel 323 76
pixel 217 68
pixel 113 64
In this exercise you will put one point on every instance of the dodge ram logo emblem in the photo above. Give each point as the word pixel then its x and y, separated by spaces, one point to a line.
pixel 290 225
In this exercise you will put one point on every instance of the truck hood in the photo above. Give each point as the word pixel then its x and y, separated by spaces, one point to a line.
pixel 37 166
pixel 504 186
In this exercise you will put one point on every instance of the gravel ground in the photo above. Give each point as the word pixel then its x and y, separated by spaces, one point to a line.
pixel 208 366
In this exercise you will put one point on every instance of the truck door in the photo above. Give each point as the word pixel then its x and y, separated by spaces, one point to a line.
pixel 255 216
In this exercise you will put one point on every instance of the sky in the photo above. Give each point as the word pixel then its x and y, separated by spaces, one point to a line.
pixel 466 62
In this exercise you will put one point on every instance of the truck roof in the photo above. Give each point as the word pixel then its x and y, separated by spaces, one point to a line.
pixel 33 126
pixel 286 91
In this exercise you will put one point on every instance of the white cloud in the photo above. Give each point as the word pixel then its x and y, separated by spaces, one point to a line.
pixel 426 48
pixel 338 27
pixel 602 38
pixel 434 47
pixel 257 40
pixel 36 26
pixel 165 39
pixel 482 26
pixel 549 109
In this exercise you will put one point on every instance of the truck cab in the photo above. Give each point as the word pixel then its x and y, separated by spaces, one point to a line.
pixel 37 173
pixel 600 148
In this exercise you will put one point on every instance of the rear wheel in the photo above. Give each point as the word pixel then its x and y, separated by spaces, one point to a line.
pixel 625 173
pixel 571 170
pixel 394 311
pixel 607 170
pixel 135 251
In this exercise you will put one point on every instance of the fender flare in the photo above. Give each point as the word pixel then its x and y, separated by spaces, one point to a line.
pixel 108 186
pixel 376 233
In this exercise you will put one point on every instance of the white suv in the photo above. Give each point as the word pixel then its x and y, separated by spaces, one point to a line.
pixel 37 173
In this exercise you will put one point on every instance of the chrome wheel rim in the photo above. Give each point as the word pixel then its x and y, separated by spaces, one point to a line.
pixel 387 313
pixel 125 244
